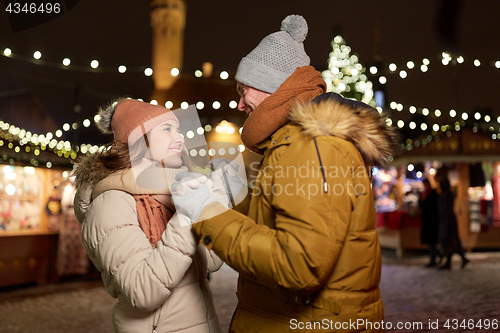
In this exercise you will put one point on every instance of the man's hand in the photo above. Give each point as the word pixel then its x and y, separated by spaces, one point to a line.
pixel 191 193
pixel 226 182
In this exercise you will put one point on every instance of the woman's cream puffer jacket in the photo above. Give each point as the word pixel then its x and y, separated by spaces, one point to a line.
pixel 162 288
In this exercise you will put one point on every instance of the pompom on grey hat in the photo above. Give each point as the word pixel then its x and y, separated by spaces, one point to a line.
pixel 276 57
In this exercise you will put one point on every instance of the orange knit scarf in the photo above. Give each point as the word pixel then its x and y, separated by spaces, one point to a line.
pixel 154 213
pixel 272 114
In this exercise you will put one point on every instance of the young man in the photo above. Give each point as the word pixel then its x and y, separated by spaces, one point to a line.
pixel 304 241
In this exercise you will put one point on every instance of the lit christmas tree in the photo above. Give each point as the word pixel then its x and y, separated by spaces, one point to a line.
pixel 345 75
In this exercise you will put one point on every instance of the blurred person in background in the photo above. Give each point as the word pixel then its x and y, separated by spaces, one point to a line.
pixel 448 229
pixel 429 232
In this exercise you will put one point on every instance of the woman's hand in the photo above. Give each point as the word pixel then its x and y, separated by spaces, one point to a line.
pixel 190 193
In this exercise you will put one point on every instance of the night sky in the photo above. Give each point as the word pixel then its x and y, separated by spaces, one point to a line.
pixel 222 32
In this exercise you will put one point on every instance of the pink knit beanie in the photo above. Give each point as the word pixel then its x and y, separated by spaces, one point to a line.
pixel 130 119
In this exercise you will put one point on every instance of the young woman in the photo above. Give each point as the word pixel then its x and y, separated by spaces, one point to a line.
pixel 148 261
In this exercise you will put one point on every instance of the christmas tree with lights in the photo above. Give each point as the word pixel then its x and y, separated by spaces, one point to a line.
pixel 345 75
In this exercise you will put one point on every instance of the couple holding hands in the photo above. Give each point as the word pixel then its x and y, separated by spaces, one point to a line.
pixel 154 228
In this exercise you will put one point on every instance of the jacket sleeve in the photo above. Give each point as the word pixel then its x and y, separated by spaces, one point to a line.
pixel 214 263
pixel 242 201
pixel 81 201
pixel 300 253
pixel 117 246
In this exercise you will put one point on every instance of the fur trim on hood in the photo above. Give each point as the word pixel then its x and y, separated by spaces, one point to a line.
pixel 89 170
pixel 359 123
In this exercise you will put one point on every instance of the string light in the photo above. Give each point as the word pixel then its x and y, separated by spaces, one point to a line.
pixel 446 59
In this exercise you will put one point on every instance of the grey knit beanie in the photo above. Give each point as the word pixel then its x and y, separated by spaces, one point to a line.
pixel 276 57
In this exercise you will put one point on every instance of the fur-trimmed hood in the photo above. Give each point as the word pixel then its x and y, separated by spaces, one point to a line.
pixel 357 122
pixel 89 170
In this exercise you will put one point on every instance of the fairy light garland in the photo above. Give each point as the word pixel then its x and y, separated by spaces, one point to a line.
pixel 86 123
pixel 19 139
pixel 437 131
pixel 410 66
pixel 438 114
pixel 94 65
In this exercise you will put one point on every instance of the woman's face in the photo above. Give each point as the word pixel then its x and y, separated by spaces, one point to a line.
pixel 165 144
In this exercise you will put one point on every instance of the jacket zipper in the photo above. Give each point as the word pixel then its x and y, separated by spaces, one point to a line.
pixel 325 184
pixel 201 289
pixel 156 318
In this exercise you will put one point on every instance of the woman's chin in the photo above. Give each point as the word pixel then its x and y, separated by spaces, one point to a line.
pixel 172 161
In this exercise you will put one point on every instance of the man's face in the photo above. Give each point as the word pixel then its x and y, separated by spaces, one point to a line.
pixel 250 98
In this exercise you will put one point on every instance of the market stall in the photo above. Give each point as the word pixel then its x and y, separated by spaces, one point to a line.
pixel 31 189
pixel 470 160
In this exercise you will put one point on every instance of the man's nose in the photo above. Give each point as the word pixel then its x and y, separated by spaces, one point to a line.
pixel 241 104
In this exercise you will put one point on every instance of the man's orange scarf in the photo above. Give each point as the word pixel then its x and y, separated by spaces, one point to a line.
pixel 272 114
